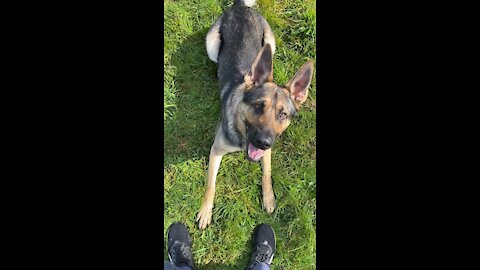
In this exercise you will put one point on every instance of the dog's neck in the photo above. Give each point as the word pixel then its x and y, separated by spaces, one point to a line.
pixel 232 121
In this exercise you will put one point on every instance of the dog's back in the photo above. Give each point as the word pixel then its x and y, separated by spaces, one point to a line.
pixel 242 35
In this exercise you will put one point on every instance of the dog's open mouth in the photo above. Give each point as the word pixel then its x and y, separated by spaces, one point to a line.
pixel 254 153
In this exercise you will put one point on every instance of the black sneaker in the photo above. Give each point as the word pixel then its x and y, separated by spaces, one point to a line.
pixel 179 245
pixel 263 245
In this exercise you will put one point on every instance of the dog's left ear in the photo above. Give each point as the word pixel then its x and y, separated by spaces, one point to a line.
pixel 299 84
pixel 262 68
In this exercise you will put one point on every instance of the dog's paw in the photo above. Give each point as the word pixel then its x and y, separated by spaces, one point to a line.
pixel 204 217
pixel 269 202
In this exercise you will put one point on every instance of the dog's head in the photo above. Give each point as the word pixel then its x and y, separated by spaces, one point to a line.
pixel 267 108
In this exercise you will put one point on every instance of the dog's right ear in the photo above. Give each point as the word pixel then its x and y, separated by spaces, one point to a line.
pixel 262 68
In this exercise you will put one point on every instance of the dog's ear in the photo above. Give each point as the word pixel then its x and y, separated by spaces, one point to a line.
pixel 299 84
pixel 262 68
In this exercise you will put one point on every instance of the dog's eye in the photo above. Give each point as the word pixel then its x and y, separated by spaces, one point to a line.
pixel 258 107
pixel 282 115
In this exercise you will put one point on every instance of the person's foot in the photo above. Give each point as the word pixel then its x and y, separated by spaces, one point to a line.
pixel 263 245
pixel 179 245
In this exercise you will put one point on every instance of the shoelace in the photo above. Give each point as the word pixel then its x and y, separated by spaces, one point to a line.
pixel 263 253
pixel 182 253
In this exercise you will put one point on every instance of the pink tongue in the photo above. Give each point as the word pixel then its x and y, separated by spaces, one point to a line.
pixel 254 152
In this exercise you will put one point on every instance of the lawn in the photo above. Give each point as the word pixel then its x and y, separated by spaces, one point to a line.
pixel 191 113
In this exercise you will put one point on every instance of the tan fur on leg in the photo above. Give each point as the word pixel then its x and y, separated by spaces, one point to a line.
pixel 267 188
pixel 205 215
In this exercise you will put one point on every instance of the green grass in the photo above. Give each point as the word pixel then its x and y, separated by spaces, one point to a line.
pixel 192 111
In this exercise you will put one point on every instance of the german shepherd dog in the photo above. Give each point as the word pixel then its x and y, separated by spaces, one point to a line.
pixel 255 110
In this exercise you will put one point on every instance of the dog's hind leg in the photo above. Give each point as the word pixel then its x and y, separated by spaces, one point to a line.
pixel 214 41
pixel 268 36
pixel 267 188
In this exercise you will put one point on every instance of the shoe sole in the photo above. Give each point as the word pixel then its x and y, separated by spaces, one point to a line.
pixel 166 244
pixel 275 239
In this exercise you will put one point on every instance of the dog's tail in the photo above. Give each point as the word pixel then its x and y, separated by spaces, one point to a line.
pixel 248 3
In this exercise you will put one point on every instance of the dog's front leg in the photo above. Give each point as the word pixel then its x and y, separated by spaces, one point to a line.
pixel 267 188
pixel 204 217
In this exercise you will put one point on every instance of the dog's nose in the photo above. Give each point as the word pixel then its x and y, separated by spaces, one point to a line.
pixel 264 142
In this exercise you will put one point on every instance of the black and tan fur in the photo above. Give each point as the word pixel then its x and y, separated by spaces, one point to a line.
pixel 255 110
